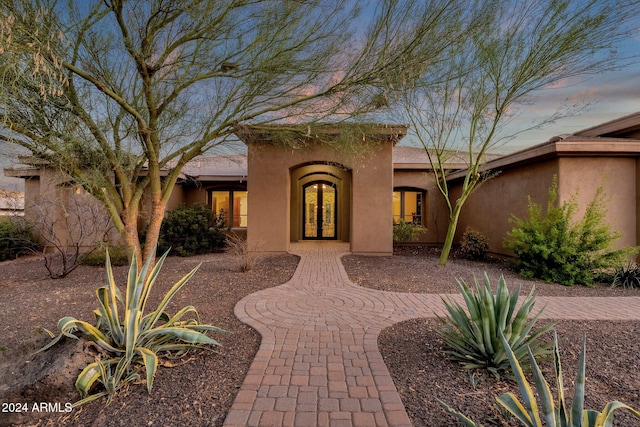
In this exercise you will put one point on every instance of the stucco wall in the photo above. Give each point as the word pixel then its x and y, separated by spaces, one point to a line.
pixel 617 176
pixel 269 195
pixel 489 208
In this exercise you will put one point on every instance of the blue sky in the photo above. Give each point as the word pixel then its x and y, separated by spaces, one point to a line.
pixel 603 97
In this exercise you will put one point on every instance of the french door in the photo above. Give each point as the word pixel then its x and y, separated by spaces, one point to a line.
pixel 319 210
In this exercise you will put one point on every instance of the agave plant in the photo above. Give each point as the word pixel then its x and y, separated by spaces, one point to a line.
pixel 528 411
pixel 474 338
pixel 131 341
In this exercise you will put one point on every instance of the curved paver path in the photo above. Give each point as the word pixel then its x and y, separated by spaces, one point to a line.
pixel 318 363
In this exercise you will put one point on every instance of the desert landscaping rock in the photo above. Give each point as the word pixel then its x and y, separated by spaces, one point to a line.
pixel 331 352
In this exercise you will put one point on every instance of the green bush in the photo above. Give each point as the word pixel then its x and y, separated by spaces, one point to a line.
pixel 16 238
pixel 552 246
pixel 626 276
pixel 98 257
pixel 528 411
pixel 474 244
pixel 474 338
pixel 190 231
pixel 404 232
pixel 130 340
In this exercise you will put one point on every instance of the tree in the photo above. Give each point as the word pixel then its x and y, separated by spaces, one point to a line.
pixel 120 94
pixel 460 104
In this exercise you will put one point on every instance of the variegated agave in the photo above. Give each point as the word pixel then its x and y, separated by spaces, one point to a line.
pixel 131 341
pixel 473 334
pixel 528 411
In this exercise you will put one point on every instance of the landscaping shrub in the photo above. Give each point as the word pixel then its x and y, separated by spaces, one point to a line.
pixel 130 341
pixel 98 257
pixel 239 248
pixel 404 232
pixel 190 231
pixel 554 247
pixel 474 244
pixel 626 276
pixel 16 237
pixel 528 411
pixel 474 339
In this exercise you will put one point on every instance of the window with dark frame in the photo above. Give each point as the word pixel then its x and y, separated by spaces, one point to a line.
pixel 408 206
pixel 231 206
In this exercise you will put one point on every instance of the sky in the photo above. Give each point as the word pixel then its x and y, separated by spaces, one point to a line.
pixel 602 98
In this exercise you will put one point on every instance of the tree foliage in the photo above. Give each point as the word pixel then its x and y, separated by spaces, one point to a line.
pixel 459 105
pixel 120 94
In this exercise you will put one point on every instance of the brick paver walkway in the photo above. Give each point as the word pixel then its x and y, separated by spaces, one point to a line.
pixel 319 363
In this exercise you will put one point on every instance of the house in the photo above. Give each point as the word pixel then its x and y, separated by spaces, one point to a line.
pixel 11 203
pixel 351 182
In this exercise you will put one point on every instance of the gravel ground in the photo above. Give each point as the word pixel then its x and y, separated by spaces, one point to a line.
pixel 414 352
pixel 200 389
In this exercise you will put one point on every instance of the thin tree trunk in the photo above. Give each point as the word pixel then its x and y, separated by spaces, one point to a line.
pixel 451 232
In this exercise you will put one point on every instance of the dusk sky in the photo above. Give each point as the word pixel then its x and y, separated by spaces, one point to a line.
pixel 604 97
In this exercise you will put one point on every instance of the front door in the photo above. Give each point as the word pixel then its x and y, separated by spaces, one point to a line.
pixel 319 210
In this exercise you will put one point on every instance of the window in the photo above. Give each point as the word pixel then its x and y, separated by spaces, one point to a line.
pixel 408 206
pixel 232 206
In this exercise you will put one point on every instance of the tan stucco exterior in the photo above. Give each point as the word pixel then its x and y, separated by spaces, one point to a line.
pixel 275 172
pixel 364 183
pixel 581 166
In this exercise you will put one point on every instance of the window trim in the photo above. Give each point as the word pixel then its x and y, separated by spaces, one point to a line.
pixel 422 204
pixel 230 192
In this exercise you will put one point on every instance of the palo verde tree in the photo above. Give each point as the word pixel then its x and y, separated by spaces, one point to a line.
pixel 460 103
pixel 120 94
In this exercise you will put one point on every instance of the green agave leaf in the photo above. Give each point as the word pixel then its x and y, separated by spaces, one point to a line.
pixel 169 295
pixel 109 314
pixel 511 403
pixel 87 378
pixel 525 389
pixel 605 418
pixel 183 334
pixel 182 312
pixel 203 328
pixel 466 421
pixel 577 405
pixel 71 324
pixel 150 365
pixel 544 392
pixel 151 281
pixel 562 409
pixel 132 330
pixel 89 398
pixel 111 301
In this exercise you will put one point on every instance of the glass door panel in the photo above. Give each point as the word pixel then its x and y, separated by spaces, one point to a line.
pixel 328 211
pixel 319 211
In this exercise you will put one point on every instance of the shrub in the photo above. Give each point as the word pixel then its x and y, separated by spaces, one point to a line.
pixel 553 247
pixel 117 256
pixel 238 247
pixel 474 244
pixel 16 237
pixel 404 232
pixel 131 341
pixel 527 411
pixel 474 338
pixel 190 231
pixel 626 276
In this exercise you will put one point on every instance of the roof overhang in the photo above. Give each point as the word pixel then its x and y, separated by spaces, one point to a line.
pixel 303 134
pixel 626 126
pixel 570 146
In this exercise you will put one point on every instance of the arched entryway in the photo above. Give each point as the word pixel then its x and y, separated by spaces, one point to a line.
pixel 320 202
